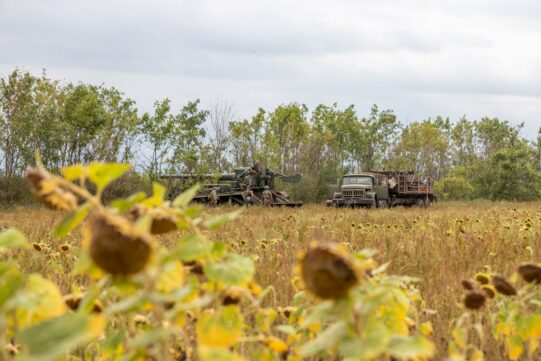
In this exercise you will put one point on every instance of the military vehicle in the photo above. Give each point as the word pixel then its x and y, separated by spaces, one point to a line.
pixel 231 186
pixel 382 189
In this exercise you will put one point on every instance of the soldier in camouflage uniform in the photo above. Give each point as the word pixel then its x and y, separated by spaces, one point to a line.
pixel 213 197
pixel 248 195
pixel 267 197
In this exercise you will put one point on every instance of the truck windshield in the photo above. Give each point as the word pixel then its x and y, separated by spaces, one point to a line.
pixel 358 180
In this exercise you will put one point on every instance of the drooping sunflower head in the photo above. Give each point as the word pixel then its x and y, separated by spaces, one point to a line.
pixel 163 220
pixel 474 300
pixel 116 245
pixel 530 273
pixel 48 190
pixel 328 272
pixel 503 286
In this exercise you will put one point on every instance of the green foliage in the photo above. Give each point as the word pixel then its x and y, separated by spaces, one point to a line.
pixel 454 188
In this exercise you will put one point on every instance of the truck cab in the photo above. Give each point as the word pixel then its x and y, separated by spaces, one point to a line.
pixel 364 189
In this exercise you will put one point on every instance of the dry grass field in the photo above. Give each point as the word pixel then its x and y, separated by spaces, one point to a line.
pixel 441 246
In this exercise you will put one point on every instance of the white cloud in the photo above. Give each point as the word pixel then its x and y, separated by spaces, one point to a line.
pixel 420 58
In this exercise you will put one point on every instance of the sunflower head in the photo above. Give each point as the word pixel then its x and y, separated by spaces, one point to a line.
pixel 162 219
pixel 468 285
pixel 503 286
pixel 48 191
pixel 530 273
pixel 474 300
pixel 116 245
pixel 328 272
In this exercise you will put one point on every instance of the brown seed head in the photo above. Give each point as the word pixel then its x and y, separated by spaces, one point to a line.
pixel 73 300
pixel 65 247
pixel 37 247
pixel 49 191
pixel 116 245
pixel 468 285
pixel 530 273
pixel 503 286
pixel 327 272
pixel 474 300
pixel 162 219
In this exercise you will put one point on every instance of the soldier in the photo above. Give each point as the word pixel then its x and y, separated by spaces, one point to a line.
pixel 250 177
pixel 248 196
pixel 267 197
pixel 256 167
pixel 213 197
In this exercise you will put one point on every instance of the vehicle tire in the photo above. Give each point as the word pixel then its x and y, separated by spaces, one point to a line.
pixel 427 202
pixel 420 203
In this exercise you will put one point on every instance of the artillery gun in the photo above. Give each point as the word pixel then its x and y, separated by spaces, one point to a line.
pixel 230 186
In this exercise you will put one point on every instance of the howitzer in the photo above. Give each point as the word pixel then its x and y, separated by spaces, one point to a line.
pixel 232 187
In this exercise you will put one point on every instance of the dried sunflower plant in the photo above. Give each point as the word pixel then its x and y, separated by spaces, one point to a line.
pixel 509 310
pixel 135 299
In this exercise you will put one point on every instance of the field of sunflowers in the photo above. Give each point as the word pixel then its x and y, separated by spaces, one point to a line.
pixel 144 278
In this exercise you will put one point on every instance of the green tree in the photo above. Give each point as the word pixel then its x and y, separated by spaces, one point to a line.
pixel 82 119
pixel 285 133
pixel 156 132
pixel 510 174
pixel 17 110
pixel 378 133
pixel 187 134
pixel 423 148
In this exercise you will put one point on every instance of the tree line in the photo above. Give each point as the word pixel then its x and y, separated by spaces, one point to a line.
pixel 77 123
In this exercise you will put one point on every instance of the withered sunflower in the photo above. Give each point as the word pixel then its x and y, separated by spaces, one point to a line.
pixel 474 300
pixel 503 286
pixel 48 191
pixel 328 272
pixel 530 273
pixel 116 245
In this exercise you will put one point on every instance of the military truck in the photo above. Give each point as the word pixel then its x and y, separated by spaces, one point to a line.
pixel 382 189
pixel 231 186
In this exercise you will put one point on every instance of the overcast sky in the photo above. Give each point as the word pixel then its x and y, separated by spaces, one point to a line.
pixel 419 58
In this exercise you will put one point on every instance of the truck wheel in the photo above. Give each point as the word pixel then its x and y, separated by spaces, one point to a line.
pixel 419 203
pixel 427 202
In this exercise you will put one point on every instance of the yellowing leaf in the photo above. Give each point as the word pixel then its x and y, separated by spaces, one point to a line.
pixel 73 172
pixel 235 270
pixel 50 339
pixel 41 300
pixel 410 347
pixel 71 221
pixel 184 198
pixel 513 346
pixel 11 238
pixel 101 174
pixel 276 344
pixel 222 327
pixel 171 277
pixel 426 328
